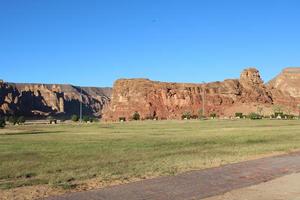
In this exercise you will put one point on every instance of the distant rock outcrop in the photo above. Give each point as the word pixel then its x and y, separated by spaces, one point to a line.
pixel 288 82
pixel 161 100
pixel 51 99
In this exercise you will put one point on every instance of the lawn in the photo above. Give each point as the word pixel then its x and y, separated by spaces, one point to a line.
pixel 61 155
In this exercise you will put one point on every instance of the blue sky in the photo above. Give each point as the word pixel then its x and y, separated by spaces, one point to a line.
pixel 95 42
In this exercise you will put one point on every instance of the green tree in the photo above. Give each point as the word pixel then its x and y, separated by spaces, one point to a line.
pixel 254 116
pixel 260 110
pixel 186 115
pixel 136 116
pixel 86 119
pixel 239 115
pixel 21 120
pixel 277 109
pixel 213 115
pixel 12 120
pixel 74 118
pixel 200 114
pixel 2 122
pixel 52 120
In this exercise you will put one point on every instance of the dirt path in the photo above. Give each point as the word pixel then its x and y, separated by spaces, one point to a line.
pixel 198 184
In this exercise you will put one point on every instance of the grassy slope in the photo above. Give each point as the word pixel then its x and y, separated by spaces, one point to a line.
pixel 62 154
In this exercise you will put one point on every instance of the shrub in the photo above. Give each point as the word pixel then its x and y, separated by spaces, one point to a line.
pixel 95 119
pixel 122 119
pixel 2 122
pixel 239 115
pixel 74 118
pixel 21 120
pixel 278 114
pixel 213 115
pixel 186 115
pixel 86 119
pixel 52 120
pixel 200 114
pixel 194 117
pixel 136 116
pixel 289 117
pixel 12 120
pixel 254 116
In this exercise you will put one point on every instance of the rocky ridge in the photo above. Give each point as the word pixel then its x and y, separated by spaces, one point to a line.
pixel 37 100
pixel 153 99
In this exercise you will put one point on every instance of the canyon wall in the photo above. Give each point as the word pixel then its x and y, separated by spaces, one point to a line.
pixel 152 99
pixel 37 100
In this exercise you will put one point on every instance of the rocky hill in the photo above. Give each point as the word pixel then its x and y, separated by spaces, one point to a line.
pixel 288 82
pixel 161 100
pixel 38 100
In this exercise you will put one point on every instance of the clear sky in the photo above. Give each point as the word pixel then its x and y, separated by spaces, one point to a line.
pixel 95 42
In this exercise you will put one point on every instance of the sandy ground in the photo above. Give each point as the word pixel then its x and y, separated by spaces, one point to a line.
pixel 284 188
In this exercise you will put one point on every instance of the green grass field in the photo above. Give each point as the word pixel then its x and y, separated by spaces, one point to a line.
pixel 60 155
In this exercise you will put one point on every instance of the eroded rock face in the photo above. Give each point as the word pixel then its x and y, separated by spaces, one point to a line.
pixel 170 100
pixel 288 82
pixel 51 99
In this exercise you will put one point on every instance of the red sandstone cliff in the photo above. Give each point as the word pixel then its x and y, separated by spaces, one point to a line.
pixel 161 100
pixel 51 99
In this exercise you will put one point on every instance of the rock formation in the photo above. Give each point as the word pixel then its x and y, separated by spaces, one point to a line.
pixel 161 100
pixel 51 99
pixel 288 82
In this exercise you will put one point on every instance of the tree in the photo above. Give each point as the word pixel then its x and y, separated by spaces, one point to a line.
pixel 254 116
pixel 21 120
pixel 122 119
pixel 136 116
pixel 74 118
pixel 86 119
pixel 213 115
pixel 12 120
pixel 52 120
pixel 260 110
pixel 200 114
pixel 277 109
pixel 239 115
pixel 186 115
pixel 2 122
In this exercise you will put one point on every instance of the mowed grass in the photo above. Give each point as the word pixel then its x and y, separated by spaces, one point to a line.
pixel 60 155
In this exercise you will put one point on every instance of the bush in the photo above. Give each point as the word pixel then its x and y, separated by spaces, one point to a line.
pixel 289 117
pixel 200 114
pixel 95 119
pixel 52 120
pixel 12 120
pixel 74 118
pixel 21 120
pixel 213 115
pixel 278 114
pixel 239 115
pixel 86 119
pixel 2 122
pixel 186 115
pixel 194 117
pixel 136 116
pixel 122 119
pixel 254 116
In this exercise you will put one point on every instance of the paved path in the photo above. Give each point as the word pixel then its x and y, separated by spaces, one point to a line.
pixel 197 185
pixel 283 188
